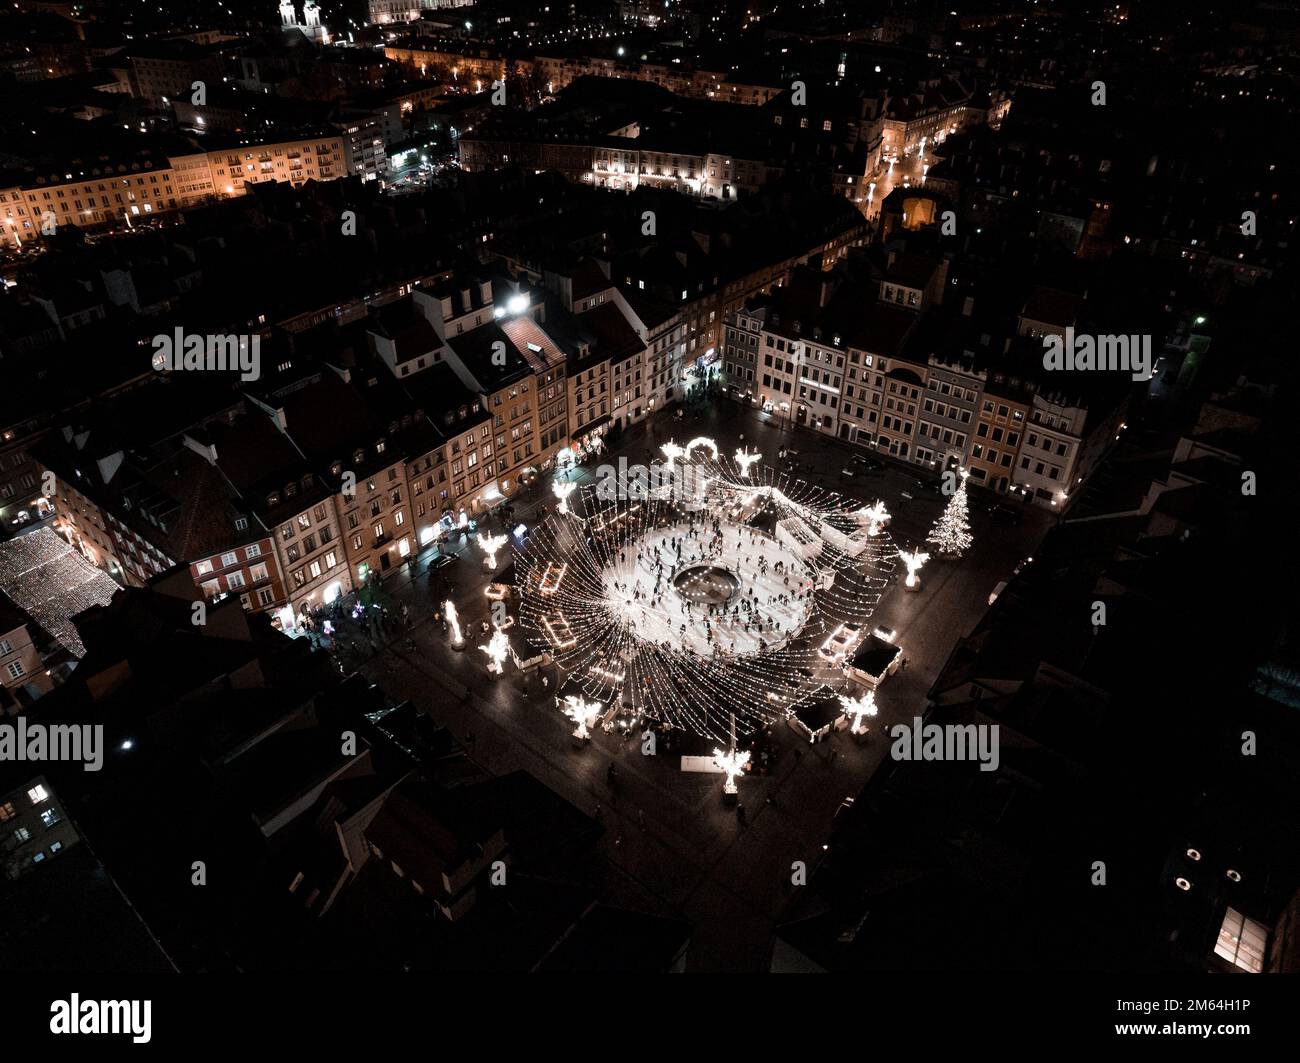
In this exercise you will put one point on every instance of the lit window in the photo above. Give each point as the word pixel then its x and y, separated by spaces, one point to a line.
pixel 1242 941
pixel 37 794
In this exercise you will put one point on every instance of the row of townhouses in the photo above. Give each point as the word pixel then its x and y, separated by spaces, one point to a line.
pixel 931 390
pixel 295 488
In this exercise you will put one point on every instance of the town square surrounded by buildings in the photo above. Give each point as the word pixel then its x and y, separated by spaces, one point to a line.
pixel 621 487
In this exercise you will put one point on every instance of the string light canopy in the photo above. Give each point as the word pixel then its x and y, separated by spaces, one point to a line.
pixel 691 606
pixel 53 582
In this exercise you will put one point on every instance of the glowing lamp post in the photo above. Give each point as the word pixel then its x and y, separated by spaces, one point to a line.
pixel 453 625
pixel 496 649
pixel 913 559
pixel 858 709
pixel 562 492
pixel 490 544
pixel 583 713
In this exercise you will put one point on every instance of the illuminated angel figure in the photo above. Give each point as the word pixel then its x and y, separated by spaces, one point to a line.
pixel 745 459
pixel 562 492
pixel 583 713
pixel 490 544
pixel 453 622
pixel 913 559
pixel 859 709
pixel 497 647
pixel 672 452
pixel 876 515
pixel 730 764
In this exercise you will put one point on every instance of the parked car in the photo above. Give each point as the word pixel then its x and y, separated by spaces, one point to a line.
pixel 996 591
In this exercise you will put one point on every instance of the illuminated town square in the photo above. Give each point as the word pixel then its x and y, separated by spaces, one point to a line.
pixel 629 487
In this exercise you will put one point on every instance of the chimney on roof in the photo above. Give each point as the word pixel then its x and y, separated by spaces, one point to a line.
pixel 207 451
pixel 889 261
pixel 967 306
pixel 108 465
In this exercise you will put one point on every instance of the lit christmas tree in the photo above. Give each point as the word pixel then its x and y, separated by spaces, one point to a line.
pixel 951 532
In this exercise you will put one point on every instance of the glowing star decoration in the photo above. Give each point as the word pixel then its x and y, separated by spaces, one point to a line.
pixel 490 544
pixel 913 559
pixel 497 648
pixel 745 459
pixel 672 451
pixel 876 515
pixel 859 709
pixel 453 624
pixel 730 764
pixel 562 492
pixel 583 713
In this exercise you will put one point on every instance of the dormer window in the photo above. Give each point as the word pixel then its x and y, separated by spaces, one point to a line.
pixel 336 469
pixel 241 524
pixel 307 481
pixel 379 447
pixel 273 499
pixel 358 457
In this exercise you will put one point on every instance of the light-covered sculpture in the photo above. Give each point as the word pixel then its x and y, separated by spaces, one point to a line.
pixel 913 559
pixel 490 544
pixel 730 764
pixel 453 625
pixel 745 459
pixel 498 646
pixel 876 515
pixel 562 491
pixel 581 712
pixel 858 709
